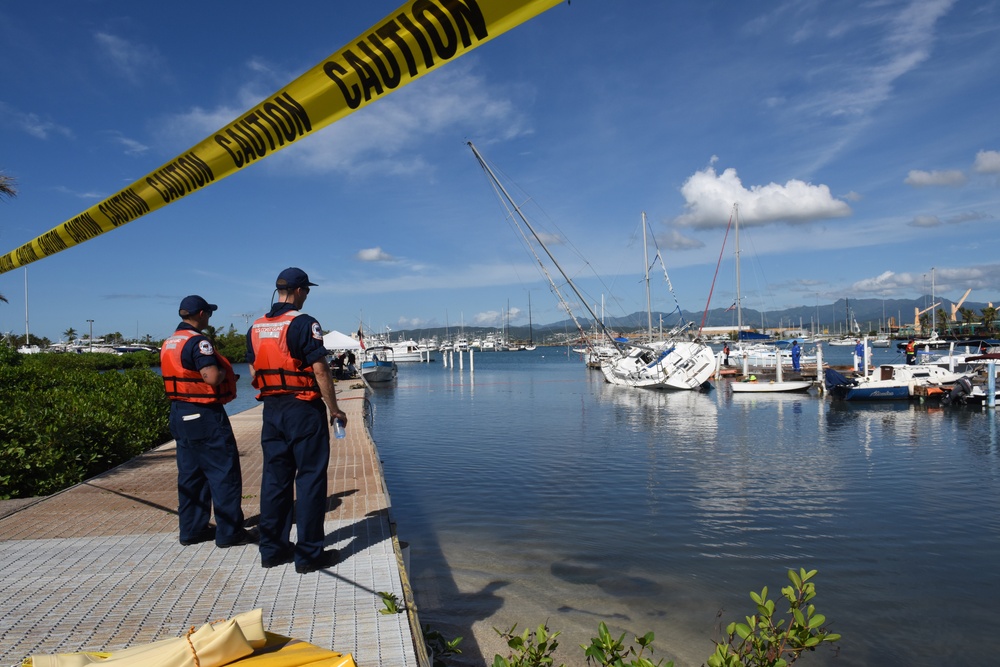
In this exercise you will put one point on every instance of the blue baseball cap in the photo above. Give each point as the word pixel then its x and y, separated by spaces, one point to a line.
pixel 194 304
pixel 292 278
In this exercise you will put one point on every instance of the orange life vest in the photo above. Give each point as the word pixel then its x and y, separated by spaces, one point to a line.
pixel 185 385
pixel 276 371
pixel 910 347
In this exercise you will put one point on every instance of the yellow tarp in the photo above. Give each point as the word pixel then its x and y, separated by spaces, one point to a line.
pixel 240 641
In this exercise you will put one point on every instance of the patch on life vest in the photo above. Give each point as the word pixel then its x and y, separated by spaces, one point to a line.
pixel 205 347
pixel 317 333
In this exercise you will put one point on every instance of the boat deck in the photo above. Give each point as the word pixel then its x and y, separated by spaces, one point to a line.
pixel 99 566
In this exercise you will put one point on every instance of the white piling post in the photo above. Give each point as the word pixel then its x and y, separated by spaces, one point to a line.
pixel 461 360
pixel 865 354
pixel 778 377
pixel 819 366
pixel 991 384
pixel 951 356
pixel 472 361
pixel 746 364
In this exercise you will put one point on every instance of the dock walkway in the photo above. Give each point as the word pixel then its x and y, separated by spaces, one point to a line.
pixel 99 566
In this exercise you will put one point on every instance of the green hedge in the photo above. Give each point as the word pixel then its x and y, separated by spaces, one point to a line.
pixel 64 419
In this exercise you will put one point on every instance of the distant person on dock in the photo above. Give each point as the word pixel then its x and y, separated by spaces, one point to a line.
pixel 352 369
pixel 725 351
pixel 859 356
pixel 796 357
pixel 911 352
pixel 338 366
pixel 288 364
pixel 199 382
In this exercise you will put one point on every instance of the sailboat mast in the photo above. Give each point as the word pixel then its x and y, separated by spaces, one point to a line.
pixel 739 302
pixel 517 209
pixel 933 310
pixel 530 333
pixel 645 257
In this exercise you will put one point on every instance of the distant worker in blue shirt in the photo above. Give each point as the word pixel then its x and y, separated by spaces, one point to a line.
pixel 796 356
pixel 288 364
pixel 859 356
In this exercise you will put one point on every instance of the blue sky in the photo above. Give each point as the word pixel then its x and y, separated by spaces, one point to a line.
pixel 860 140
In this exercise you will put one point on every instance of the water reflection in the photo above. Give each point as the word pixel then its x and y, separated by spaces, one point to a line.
pixel 534 492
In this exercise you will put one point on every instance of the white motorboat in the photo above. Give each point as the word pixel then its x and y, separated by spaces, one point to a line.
pixel 770 387
pixel 752 386
pixel 891 382
pixel 379 364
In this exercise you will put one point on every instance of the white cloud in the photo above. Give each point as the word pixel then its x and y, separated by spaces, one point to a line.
pixel 674 240
pixel 987 162
pixel 925 221
pixel 710 197
pixel 374 255
pixel 387 137
pixel 383 138
pixel 132 147
pixel 413 322
pixel 971 216
pixel 923 179
pixel 31 123
pixel 488 318
pixel 82 195
pixel 846 87
pixel 133 61
pixel 981 277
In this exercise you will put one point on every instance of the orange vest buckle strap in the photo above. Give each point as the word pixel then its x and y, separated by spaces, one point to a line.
pixel 186 385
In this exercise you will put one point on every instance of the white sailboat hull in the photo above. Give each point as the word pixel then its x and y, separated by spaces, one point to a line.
pixel 680 365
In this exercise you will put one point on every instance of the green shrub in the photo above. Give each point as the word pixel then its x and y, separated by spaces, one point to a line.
pixel 62 421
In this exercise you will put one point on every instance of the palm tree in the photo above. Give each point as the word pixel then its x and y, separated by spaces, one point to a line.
pixel 968 317
pixel 989 317
pixel 70 334
pixel 8 190
pixel 942 320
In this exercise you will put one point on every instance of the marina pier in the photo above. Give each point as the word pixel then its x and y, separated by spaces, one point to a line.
pixel 99 567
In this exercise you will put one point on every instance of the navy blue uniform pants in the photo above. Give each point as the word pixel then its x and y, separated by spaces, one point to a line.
pixel 295 440
pixel 208 471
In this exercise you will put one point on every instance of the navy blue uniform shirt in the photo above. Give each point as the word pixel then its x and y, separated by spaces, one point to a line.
pixel 305 337
pixel 197 352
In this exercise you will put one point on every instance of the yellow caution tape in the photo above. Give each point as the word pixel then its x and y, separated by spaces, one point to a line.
pixel 417 38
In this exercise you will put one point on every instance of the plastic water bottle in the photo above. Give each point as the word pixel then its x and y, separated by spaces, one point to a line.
pixel 338 429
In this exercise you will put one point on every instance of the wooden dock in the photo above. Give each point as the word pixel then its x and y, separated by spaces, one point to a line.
pixel 99 566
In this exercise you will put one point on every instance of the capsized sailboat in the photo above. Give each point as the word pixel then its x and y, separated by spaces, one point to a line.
pixel 668 364
pixel 673 366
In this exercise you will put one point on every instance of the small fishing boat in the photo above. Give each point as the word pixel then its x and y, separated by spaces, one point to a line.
pixel 779 384
pixel 379 364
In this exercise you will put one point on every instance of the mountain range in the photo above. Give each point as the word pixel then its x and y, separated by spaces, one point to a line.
pixel 870 314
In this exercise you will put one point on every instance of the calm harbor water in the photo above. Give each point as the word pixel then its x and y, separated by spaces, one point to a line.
pixel 532 491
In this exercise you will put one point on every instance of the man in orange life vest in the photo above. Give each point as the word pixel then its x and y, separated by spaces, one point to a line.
pixel 199 382
pixel 288 363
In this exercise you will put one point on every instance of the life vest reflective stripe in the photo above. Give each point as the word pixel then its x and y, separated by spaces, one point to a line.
pixel 186 385
pixel 276 371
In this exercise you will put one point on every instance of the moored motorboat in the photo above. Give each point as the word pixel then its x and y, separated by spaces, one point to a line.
pixel 770 387
pixel 892 382
pixel 379 364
